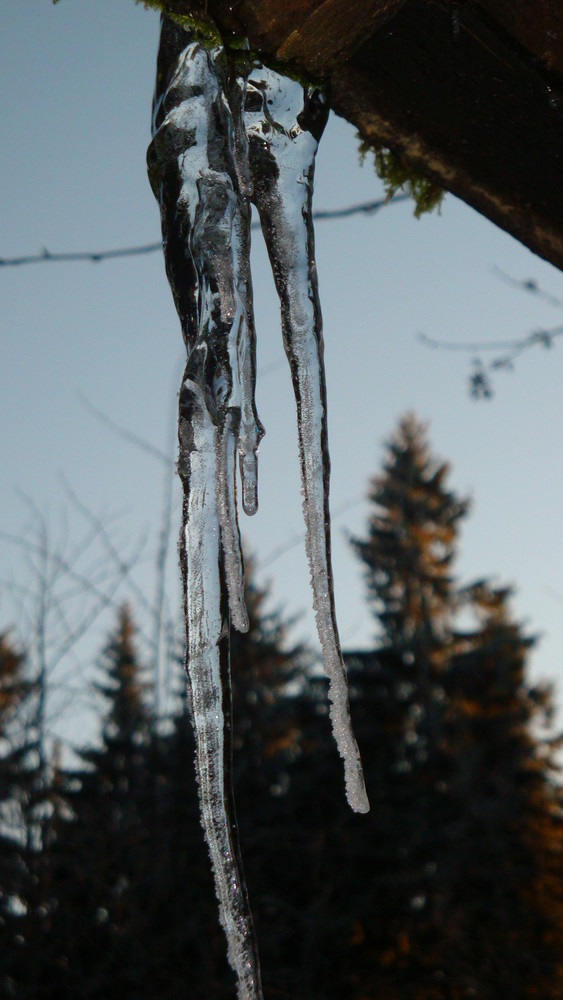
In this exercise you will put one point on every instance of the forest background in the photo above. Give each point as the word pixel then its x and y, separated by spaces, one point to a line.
pixel 451 887
pixel 74 178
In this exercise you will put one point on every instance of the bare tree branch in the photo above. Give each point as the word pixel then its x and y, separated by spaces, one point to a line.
pixel 527 285
pixel 480 379
pixel 126 434
pixel 94 257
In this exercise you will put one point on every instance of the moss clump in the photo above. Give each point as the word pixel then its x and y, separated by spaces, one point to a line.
pixel 390 168
pixel 202 27
pixel 237 46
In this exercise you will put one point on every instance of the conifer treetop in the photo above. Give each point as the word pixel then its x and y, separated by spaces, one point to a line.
pixel 411 542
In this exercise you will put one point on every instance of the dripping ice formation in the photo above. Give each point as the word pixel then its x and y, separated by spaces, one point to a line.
pixel 205 225
pixel 224 135
pixel 208 662
pixel 284 122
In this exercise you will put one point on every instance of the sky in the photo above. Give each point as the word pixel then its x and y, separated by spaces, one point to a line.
pixel 79 76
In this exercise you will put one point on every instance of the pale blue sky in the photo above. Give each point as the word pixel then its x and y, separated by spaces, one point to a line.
pixel 77 80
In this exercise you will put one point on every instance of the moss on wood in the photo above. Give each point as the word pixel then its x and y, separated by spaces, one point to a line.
pixel 203 27
pixel 396 176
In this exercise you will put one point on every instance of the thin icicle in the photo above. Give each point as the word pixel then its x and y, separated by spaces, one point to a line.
pixel 206 239
pixel 207 662
pixel 227 506
pixel 284 122
pixel 251 430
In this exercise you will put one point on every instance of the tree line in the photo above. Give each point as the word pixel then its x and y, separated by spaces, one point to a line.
pixel 452 886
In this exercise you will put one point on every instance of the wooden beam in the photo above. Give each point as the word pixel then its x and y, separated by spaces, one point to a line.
pixel 465 107
pixel 536 25
pixel 467 92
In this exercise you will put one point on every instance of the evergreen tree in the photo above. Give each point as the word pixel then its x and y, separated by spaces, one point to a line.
pixel 103 843
pixel 468 779
pixel 408 558
pixel 505 880
pixel 411 545
pixel 25 818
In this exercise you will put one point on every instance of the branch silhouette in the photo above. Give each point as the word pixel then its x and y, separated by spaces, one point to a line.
pixel 507 351
pixel 95 256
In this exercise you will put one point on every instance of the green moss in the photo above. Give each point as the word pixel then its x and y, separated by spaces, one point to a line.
pixel 202 27
pixel 237 45
pixel 396 176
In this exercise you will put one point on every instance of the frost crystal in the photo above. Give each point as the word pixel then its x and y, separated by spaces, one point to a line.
pixel 222 136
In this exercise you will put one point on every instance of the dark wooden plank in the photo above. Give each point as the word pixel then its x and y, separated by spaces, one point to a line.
pixel 468 110
pixel 467 92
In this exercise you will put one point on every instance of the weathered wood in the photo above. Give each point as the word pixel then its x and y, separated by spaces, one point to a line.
pixel 537 25
pixel 466 92
pixel 466 108
pixel 333 31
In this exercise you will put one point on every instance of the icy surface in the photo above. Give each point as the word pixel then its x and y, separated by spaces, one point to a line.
pixel 205 222
pixel 222 135
pixel 207 658
pixel 284 122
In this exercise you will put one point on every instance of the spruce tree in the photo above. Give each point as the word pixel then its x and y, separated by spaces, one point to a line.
pixel 16 789
pixel 409 556
pixel 473 878
pixel 505 878
pixel 411 545
pixel 103 844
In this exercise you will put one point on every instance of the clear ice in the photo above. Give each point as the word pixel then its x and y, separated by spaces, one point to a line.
pixel 284 122
pixel 225 135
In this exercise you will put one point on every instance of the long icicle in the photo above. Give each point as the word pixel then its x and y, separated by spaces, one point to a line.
pixel 221 135
pixel 206 240
pixel 284 122
pixel 208 668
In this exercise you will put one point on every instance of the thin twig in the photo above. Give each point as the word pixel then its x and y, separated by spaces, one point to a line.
pixel 297 539
pixel 527 285
pixel 468 345
pixel 125 433
pixel 480 379
pixel 95 256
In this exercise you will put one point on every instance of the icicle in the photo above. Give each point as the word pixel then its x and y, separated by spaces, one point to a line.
pixel 251 431
pixel 206 234
pixel 227 504
pixel 220 136
pixel 242 354
pixel 284 122
pixel 207 662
